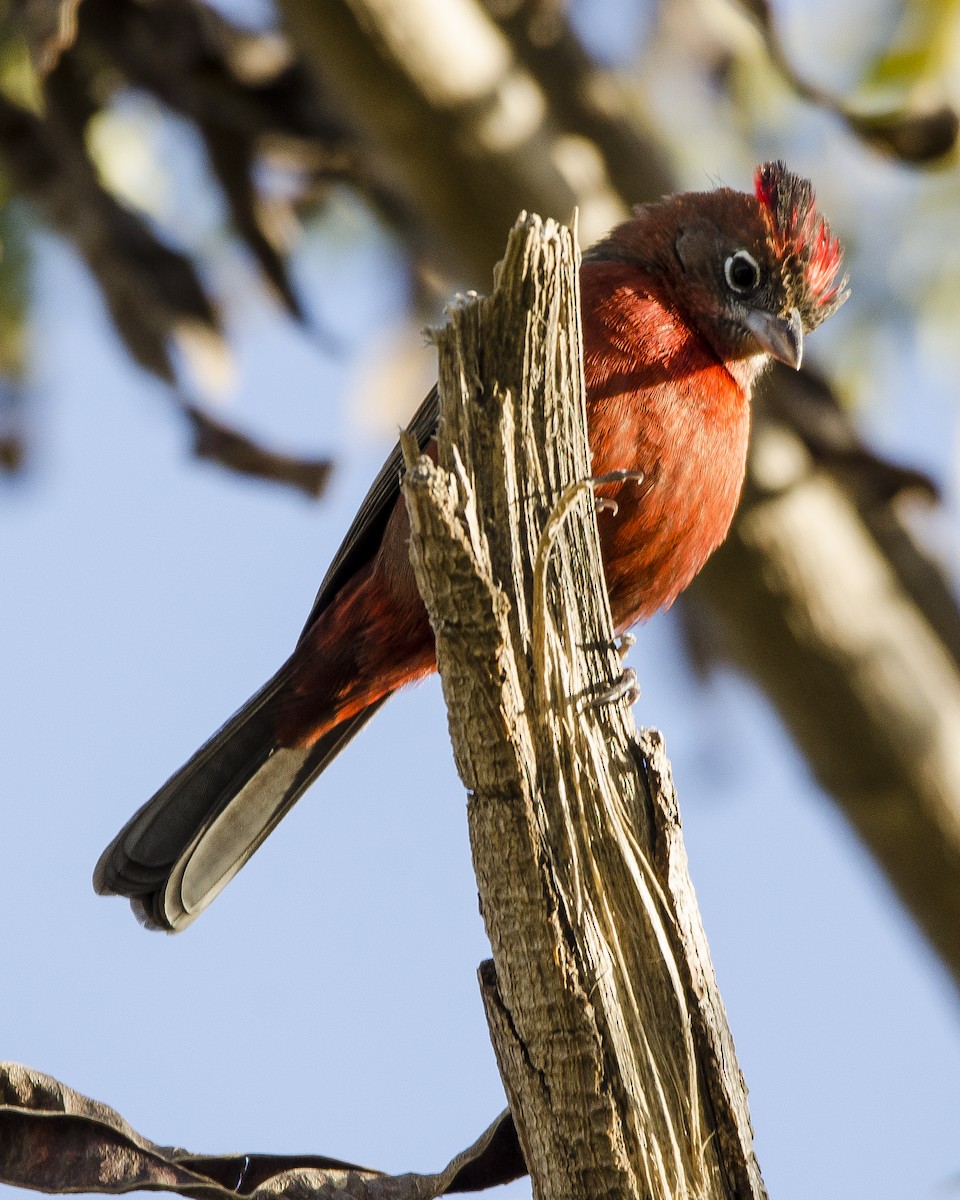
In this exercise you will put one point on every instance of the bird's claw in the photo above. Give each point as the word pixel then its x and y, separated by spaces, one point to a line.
pixel 623 645
pixel 607 503
pixel 625 688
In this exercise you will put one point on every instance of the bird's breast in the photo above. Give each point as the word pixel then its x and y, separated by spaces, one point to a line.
pixel 678 416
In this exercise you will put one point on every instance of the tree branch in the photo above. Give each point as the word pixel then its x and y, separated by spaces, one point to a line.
pixel 609 1030
pixel 808 596
pixel 412 83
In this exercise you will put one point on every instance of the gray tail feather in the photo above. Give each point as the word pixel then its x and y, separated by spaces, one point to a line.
pixel 177 853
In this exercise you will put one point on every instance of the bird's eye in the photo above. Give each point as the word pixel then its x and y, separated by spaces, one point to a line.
pixel 742 272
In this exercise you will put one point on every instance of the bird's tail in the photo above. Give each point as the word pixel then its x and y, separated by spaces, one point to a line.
pixel 177 853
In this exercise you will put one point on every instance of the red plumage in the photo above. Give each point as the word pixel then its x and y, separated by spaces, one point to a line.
pixel 682 307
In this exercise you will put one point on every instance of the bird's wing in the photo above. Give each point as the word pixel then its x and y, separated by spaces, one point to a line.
pixel 363 536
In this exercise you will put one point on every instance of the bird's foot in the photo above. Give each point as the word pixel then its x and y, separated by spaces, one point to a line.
pixel 607 503
pixel 627 688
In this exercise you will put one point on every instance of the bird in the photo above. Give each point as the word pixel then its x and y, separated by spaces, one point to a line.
pixel 683 306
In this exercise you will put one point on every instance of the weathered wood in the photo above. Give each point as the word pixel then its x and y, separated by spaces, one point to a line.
pixel 602 1004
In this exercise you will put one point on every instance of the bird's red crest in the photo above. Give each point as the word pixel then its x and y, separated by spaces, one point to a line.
pixel 799 231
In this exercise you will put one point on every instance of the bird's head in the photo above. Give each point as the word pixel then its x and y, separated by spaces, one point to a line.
pixel 752 273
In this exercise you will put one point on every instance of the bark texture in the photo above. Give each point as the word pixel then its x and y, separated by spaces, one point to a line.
pixel 601 999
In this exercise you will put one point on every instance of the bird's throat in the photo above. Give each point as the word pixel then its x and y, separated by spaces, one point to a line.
pixel 746 371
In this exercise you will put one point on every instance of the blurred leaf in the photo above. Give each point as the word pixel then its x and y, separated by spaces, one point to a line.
pixel 14 288
pixel 122 147
pixel 151 289
pixel 12 453
pixel 759 12
pixel 918 50
pixel 14 271
pixel 916 55
pixel 912 137
pixel 13 444
pixel 207 357
pixel 18 74
pixel 898 68
pixel 50 27
pixel 232 159
pixel 239 453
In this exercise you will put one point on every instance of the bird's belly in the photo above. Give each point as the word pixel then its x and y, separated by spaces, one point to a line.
pixel 653 548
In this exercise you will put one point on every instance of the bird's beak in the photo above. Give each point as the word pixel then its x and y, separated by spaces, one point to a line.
pixel 780 336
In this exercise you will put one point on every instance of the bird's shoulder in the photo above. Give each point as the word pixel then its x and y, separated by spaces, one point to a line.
pixel 630 324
